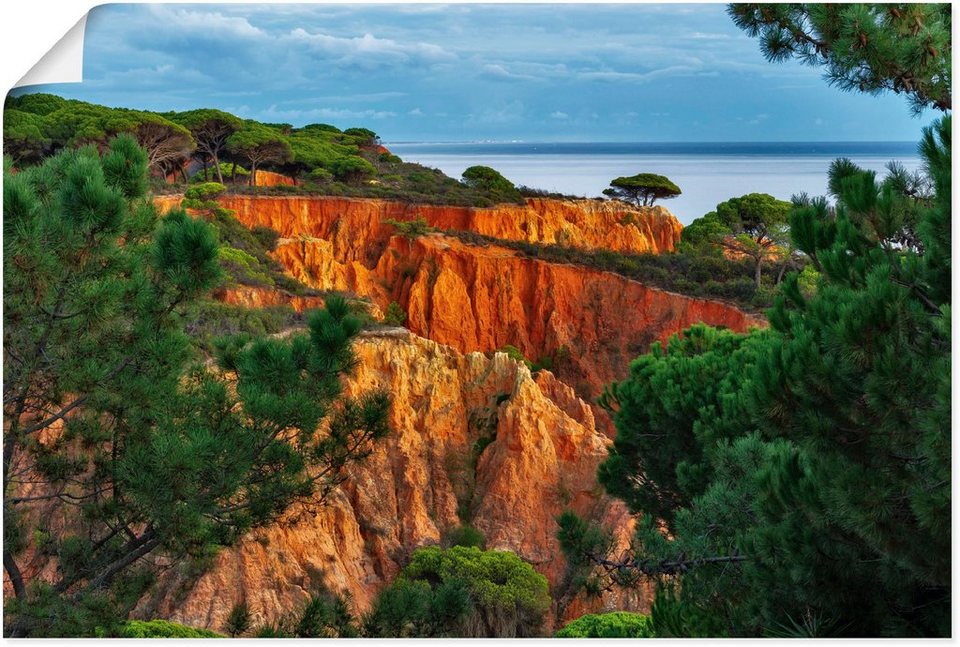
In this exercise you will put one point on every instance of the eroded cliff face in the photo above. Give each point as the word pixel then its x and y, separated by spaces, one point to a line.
pixel 471 297
pixel 474 440
pixel 474 297
pixel 589 224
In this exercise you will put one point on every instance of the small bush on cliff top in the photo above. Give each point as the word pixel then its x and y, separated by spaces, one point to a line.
pixel 617 624
pixel 411 228
pixel 204 191
pixel 515 354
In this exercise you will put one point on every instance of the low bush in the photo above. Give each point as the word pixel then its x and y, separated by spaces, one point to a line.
pixel 204 191
pixel 467 536
pixel 411 228
pixel 161 629
pixel 462 591
pixel 394 316
pixel 617 624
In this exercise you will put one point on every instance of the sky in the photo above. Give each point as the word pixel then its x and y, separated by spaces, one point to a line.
pixel 430 72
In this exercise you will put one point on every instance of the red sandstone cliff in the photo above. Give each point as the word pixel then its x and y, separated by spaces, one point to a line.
pixel 542 460
pixel 482 298
pixel 590 224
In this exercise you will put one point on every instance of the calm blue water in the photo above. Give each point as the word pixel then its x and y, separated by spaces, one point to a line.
pixel 707 173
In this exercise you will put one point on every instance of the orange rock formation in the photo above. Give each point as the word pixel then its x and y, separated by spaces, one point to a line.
pixel 590 224
pixel 422 482
pixel 482 298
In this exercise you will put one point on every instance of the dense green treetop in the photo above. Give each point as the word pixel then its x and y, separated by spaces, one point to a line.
pixel 491 181
pixel 210 129
pixel 753 226
pixel 642 189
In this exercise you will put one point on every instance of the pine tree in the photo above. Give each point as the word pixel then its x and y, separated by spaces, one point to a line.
pixel 118 445
pixel 807 487
pixel 904 47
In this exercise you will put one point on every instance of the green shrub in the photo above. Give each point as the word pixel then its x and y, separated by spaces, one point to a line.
pixel 266 236
pixel 394 316
pixel 238 622
pixel 414 608
pixel 204 191
pixel 411 228
pixel 162 629
pixel 352 169
pixel 515 354
pixel 617 624
pixel 461 591
pixel 321 175
pixel 208 320
pixel 466 536
pixel 243 268
pixel 327 615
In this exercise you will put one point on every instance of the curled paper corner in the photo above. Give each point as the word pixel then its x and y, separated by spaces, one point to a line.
pixel 63 63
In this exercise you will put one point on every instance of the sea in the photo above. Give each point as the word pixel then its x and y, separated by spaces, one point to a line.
pixel 707 173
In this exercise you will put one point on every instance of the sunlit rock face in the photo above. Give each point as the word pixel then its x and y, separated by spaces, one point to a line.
pixel 475 439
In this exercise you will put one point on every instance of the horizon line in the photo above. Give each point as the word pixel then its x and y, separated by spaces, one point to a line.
pixel 745 141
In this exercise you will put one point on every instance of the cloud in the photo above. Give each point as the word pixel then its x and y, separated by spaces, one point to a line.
pixel 368 51
pixel 212 24
pixel 642 77
pixel 498 72
pixel 559 115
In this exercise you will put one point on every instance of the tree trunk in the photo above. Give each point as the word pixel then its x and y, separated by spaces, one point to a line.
pixel 206 178
pixel 253 174
pixel 783 270
pixel 216 160
pixel 756 275
pixel 13 572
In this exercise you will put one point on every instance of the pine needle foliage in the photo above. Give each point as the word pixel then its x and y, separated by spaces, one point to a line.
pixel 110 425
pixel 802 474
pixel 903 48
